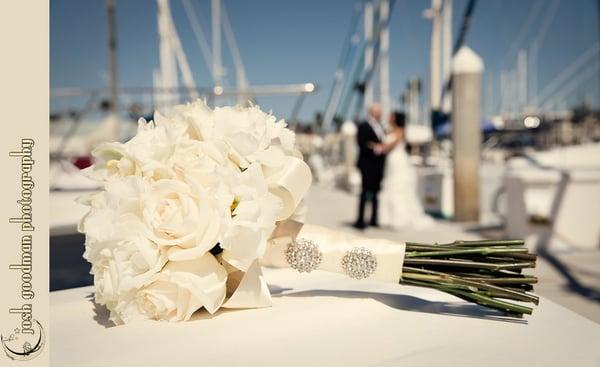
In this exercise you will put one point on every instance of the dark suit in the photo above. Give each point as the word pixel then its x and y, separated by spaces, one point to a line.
pixel 371 169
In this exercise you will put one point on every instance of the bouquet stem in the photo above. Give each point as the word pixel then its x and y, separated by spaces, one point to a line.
pixel 485 272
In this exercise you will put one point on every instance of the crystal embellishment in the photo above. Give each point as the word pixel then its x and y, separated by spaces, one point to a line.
pixel 359 263
pixel 303 255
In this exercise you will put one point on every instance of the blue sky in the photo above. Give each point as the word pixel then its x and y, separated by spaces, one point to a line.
pixel 300 41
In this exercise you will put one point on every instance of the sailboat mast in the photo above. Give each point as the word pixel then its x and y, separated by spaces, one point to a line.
pixel 435 83
pixel 384 60
pixel 112 62
pixel 216 44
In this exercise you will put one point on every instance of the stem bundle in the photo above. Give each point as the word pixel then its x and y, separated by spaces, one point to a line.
pixel 486 272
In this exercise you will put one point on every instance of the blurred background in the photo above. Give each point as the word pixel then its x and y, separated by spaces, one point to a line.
pixel 517 83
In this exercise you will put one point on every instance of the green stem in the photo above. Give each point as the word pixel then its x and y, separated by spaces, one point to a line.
pixel 470 264
pixel 526 280
pixel 486 272
pixel 487 243
pixel 480 250
pixel 474 297
pixel 445 278
pixel 472 243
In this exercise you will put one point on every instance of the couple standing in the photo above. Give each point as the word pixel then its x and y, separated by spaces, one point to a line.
pixel 384 165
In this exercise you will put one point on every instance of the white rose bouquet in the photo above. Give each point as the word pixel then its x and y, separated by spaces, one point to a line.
pixel 200 198
pixel 187 208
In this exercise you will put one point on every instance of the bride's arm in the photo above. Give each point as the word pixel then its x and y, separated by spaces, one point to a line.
pixel 385 147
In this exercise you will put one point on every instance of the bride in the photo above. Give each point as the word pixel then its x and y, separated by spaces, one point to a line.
pixel 399 207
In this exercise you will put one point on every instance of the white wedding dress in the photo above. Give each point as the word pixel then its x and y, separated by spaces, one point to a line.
pixel 399 205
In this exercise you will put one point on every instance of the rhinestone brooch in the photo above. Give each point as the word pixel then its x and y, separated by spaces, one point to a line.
pixel 359 263
pixel 303 255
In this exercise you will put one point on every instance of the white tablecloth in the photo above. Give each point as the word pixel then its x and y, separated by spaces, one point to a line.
pixel 322 319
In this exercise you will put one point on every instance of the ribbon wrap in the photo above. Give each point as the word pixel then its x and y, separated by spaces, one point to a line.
pixel 289 183
pixel 334 245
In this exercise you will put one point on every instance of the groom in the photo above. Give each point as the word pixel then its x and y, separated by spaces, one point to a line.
pixel 370 163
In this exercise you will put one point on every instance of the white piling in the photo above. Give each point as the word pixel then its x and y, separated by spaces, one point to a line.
pixel 467 69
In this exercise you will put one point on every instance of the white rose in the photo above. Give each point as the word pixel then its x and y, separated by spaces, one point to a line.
pixel 122 256
pixel 174 213
pixel 180 289
pixel 129 268
pixel 184 216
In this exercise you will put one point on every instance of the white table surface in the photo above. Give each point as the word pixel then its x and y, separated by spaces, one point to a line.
pixel 322 319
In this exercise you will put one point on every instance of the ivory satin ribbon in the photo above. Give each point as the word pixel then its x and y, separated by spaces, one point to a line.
pixel 333 246
pixel 290 184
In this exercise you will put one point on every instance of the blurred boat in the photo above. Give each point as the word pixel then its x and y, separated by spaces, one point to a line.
pixel 552 197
